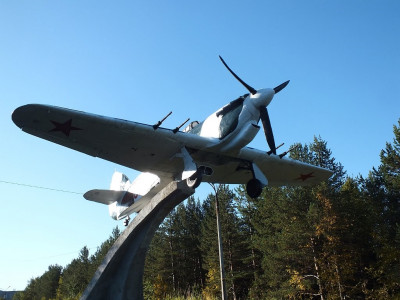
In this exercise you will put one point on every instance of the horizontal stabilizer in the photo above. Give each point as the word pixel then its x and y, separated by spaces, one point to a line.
pixel 104 196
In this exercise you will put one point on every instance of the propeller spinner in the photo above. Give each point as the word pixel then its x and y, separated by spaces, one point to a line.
pixel 263 109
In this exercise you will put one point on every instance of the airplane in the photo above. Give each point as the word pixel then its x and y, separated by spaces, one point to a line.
pixel 213 151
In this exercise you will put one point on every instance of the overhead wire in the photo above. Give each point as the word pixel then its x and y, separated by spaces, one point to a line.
pixel 50 189
pixel 41 187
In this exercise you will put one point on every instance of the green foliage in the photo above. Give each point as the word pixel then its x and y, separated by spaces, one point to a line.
pixel 75 276
pixel 174 257
pixel 235 244
pixel 67 283
pixel 98 256
pixel 43 287
pixel 382 189
pixel 313 240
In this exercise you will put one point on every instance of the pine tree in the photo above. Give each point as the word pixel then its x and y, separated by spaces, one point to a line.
pixel 97 258
pixel 174 256
pixel 297 230
pixel 44 286
pixel 234 245
pixel 193 275
pixel 49 282
pixel 382 188
pixel 252 256
pixel 75 276
pixel 283 237
pixel 157 266
pixel 31 290
pixel 389 171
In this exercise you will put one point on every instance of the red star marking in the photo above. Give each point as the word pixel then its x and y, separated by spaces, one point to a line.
pixel 65 127
pixel 304 177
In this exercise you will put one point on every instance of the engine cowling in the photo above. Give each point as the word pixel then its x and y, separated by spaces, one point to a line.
pixel 241 139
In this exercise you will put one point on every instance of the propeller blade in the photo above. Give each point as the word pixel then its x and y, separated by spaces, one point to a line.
pixel 281 87
pixel 248 87
pixel 267 128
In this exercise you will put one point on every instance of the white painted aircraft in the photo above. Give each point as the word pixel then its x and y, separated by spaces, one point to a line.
pixel 212 151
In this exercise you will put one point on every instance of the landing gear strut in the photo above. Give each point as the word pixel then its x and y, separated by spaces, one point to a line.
pixel 254 188
pixel 256 184
pixel 194 180
pixel 126 221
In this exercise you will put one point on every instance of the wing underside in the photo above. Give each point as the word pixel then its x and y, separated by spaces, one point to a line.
pixel 143 148
pixel 130 144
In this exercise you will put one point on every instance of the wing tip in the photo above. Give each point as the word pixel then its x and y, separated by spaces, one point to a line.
pixel 21 114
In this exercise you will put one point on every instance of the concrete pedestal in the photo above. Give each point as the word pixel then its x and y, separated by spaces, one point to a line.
pixel 120 276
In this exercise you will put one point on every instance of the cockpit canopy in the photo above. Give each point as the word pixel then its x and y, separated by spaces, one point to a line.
pixel 229 117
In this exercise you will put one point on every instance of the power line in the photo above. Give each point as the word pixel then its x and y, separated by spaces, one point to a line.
pixel 40 187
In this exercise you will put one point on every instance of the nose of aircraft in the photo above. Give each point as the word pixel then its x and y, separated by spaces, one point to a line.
pixel 263 97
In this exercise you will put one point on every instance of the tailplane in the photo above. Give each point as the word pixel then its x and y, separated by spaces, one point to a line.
pixel 123 194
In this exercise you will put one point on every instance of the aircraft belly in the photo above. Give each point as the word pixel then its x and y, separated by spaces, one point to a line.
pixel 226 169
pixel 228 174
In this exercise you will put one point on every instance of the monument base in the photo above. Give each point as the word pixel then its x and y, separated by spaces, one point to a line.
pixel 120 275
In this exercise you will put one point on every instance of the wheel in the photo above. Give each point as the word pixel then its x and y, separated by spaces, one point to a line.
pixel 126 221
pixel 254 188
pixel 194 180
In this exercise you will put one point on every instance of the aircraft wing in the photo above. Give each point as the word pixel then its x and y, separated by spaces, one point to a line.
pixel 285 171
pixel 141 147
pixel 127 143
pixel 237 169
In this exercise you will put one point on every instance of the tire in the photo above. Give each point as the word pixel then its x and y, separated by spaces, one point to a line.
pixel 194 180
pixel 254 188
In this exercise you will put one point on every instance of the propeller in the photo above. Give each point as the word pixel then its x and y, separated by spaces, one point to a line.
pixel 280 87
pixel 263 109
pixel 267 128
pixel 253 91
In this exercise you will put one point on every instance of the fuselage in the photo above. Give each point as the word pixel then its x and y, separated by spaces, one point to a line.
pixel 235 124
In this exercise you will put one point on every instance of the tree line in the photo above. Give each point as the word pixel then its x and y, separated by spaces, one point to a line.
pixel 337 240
pixel 67 282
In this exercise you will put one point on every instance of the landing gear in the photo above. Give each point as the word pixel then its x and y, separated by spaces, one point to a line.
pixel 254 188
pixel 194 180
pixel 126 221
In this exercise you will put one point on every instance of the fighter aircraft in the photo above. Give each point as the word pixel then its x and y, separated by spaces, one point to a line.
pixel 213 151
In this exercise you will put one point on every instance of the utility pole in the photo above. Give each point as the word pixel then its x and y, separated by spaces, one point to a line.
pixel 220 252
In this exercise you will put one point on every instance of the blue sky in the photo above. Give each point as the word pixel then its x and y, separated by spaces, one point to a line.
pixel 138 61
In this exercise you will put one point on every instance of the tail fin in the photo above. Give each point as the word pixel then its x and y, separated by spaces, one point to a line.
pixel 119 182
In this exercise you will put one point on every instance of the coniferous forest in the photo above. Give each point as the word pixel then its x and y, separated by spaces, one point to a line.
pixel 337 240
